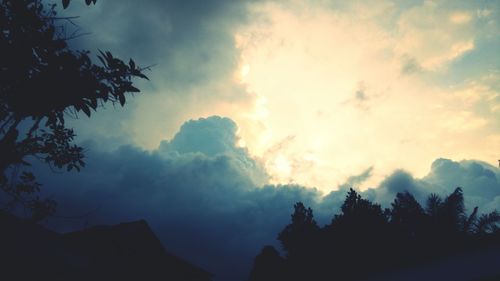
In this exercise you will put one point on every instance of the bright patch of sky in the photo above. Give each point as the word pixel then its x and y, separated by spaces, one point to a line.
pixel 364 85
pixel 320 90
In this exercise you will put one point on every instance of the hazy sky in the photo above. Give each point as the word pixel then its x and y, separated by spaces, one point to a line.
pixel 320 90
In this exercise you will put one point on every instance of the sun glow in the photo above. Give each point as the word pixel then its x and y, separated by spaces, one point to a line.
pixel 245 70
pixel 281 168
pixel 328 87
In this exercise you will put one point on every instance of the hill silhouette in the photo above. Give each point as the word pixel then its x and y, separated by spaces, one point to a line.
pixel 127 251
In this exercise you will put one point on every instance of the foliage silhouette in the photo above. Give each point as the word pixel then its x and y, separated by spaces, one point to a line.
pixel 65 3
pixel 487 223
pixel 406 214
pixel 269 266
pixel 303 226
pixel 299 239
pixel 42 82
pixel 363 240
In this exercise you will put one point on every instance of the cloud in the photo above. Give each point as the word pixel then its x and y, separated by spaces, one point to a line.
pixel 479 181
pixel 203 195
pixel 460 17
pixel 213 137
pixel 361 98
pixel 317 53
pixel 192 49
pixel 167 33
pixel 410 66
pixel 210 136
pixel 389 59
pixel 421 24
pixel 356 180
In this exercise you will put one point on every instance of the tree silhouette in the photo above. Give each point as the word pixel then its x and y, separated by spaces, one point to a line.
pixel 300 241
pixel 488 223
pixel 407 214
pixel 351 236
pixel 42 82
pixel 357 211
pixel 363 240
pixel 268 266
pixel 453 211
pixel 295 236
pixel 433 205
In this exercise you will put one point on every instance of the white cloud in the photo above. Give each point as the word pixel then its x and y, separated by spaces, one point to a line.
pixel 484 13
pixel 308 61
pixel 432 41
pixel 460 17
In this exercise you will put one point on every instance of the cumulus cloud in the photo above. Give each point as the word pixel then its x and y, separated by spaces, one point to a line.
pixel 212 137
pixel 203 195
pixel 479 181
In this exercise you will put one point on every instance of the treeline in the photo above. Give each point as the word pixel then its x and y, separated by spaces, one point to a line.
pixel 364 239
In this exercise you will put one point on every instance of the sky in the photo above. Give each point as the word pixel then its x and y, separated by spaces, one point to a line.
pixel 255 105
pixel 320 90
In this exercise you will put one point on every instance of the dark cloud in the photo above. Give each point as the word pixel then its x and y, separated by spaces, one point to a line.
pixel 361 95
pixel 410 66
pixel 480 182
pixel 191 45
pixel 203 196
pixel 190 41
pixel 360 99
pixel 356 180
pixel 398 181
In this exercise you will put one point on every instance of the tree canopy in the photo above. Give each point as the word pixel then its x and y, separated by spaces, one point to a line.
pixel 43 81
pixel 363 239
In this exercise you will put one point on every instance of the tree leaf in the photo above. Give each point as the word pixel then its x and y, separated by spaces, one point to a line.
pixel 109 56
pixel 86 110
pixel 121 97
pixel 133 89
pixel 65 3
pixel 93 103
pixel 142 76
pixel 102 58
